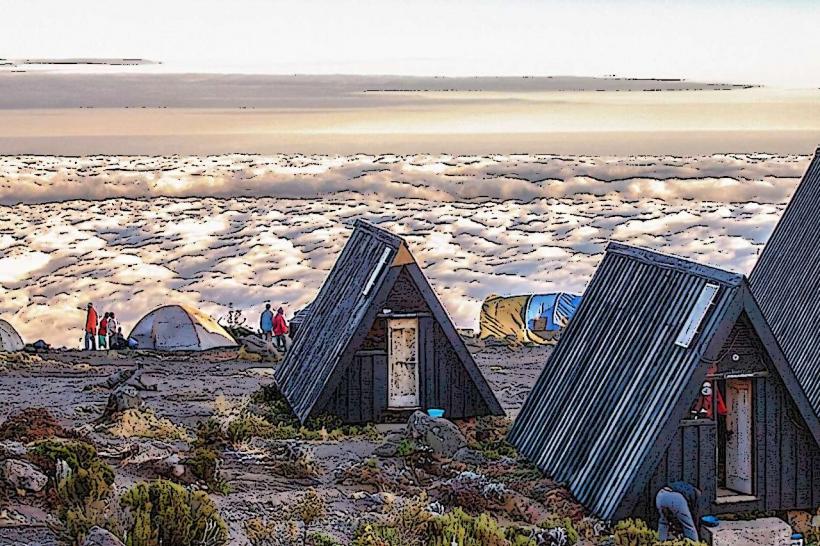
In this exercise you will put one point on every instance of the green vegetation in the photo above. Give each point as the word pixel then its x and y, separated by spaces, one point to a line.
pixel 636 533
pixel 204 463
pixel 310 509
pixel 81 485
pixel 165 513
pixel 563 523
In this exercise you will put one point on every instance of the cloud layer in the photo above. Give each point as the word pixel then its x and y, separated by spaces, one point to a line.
pixel 132 233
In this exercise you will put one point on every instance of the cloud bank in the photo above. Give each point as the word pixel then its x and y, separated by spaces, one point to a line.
pixel 133 233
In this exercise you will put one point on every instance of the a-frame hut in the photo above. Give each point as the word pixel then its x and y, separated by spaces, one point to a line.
pixel 378 344
pixel 670 372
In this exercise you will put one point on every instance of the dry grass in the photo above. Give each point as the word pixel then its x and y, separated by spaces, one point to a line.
pixel 146 424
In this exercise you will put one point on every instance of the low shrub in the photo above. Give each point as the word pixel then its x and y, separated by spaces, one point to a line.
pixel 467 530
pixel 205 464
pixel 32 424
pixel 146 424
pixel 162 512
pixel 261 532
pixel 81 487
pixel 309 509
pixel 631 532
pixel 561 523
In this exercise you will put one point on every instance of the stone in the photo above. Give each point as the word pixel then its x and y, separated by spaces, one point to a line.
pixel 469 457
pixel 122 399
pixel 756 532
pixel 387 449
pixel 440 435
pixel 97 536
pixel 10 449
pixel 23 476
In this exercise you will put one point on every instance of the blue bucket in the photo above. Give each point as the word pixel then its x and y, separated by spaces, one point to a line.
pixel 710 521
pixel 435 412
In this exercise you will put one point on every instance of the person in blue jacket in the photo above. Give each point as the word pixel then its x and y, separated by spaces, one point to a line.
pixel 678 503
pixel 266 325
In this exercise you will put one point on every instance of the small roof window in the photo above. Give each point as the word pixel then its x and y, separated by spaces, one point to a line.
pixel 696 315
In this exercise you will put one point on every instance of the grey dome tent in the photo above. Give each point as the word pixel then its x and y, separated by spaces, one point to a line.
pixel 10 340
pixel 180 328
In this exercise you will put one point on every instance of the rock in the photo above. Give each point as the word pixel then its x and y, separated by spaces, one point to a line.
pixel 387 449
pixel 10 449
pixel 98 536
pixel 756 532
pixel 23 475
pixel 440 435
pixel 123 398
pixel 469 456
pixel 116 379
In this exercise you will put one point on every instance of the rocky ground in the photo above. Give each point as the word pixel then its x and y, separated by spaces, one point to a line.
pixel 190 388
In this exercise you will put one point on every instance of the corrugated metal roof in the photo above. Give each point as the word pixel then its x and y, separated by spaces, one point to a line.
pixel 786 282
pixel 609 389
pixel 334 316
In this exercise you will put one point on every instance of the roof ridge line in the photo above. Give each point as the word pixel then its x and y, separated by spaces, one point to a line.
pixel 663 259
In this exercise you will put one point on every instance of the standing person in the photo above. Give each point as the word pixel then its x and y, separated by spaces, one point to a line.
pixel 113 326
pixel 678 502
pixel 103 332
pixel 266 325
pixel 280 328
pixel 91 328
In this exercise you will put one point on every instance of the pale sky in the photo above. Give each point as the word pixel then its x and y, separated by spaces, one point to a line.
pixel 762 42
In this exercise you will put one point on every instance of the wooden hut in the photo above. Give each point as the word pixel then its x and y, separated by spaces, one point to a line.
pixel 377 343
pixel 633 396
pixel 785 282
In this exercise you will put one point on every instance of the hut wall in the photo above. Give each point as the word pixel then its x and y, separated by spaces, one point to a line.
pixel 786 463
pixel 361 395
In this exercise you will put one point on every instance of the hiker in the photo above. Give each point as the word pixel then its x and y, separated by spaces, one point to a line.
pixel 91 328
pixel 113 328
pixel 677 503
pixel 103 332
pixel 280 328
pixel 266 325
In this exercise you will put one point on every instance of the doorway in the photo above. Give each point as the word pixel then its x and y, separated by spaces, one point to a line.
pixel 736 440
pixel 403 363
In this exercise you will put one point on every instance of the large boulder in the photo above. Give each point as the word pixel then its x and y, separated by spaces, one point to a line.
pixel 440 435
pixel 98 536
pixel 123 398
pixel 23 475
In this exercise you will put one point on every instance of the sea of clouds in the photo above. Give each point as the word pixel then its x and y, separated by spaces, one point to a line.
pixel 132 233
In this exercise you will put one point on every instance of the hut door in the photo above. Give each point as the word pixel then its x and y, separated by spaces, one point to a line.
pixel 739 435
pixel 403 363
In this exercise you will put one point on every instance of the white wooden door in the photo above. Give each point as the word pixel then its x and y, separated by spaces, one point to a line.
pixel 403 363
pixel 739 435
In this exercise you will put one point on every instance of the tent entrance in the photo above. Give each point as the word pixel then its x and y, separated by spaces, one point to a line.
pixel 403 363
pixel 735 440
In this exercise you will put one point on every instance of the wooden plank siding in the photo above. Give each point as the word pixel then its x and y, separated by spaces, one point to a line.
pixel 361 395
pixel 786 461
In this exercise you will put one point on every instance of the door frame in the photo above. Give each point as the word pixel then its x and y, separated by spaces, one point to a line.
pixel 414 320
pixel 749 462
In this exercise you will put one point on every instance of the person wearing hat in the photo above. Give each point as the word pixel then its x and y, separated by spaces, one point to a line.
pixel 91 328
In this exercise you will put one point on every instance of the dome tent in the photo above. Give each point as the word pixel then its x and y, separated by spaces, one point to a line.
pixel 10 340
pixel 180 328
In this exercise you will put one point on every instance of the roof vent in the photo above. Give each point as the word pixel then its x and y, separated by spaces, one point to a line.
pixel 376 272
pixel 692 324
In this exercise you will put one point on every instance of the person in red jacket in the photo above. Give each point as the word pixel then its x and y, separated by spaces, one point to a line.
pixel 280 328
pixel 103 332
pixel 91 328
